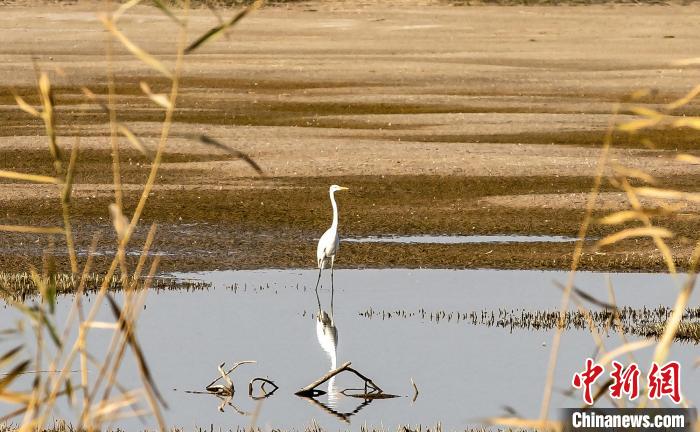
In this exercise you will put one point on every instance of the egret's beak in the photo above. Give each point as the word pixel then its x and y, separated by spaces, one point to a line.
pixel 343 188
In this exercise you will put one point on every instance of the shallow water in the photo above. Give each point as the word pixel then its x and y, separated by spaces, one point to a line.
pixel 464 373
pixel 462 239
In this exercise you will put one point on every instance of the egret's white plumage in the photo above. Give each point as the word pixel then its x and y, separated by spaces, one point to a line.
pixel 329 242
pixel 326 332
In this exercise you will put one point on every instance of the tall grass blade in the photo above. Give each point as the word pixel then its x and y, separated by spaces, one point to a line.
pixel 684 100
pixel 601 166
pixel 119 221
pixel 166 10
pixel 158 98
pixel 667 194
pixel 14 398
pixel 635 125
pixel 624 349
pixel 65 200
pixel 217 31
pixel 647 112
pixel 634 232
pixel 633 198
pixel 589 298
pixel 53 332
pixel 691 122
pixel 31 229
pixel 133 140
pixel 135 49
pixel 42 284
pixel 29 177
pixel 634 173
pixel 239 154
pixel 620 217
pixel 70 174
pixel 123 8
pixel 9 377
pixel 24 106
pixel 69 393
pixel 684 157
pixel 47 116
pixel 10 355
pixel 136 348
pixel 530 424
pixel 687 62
pixel 673 322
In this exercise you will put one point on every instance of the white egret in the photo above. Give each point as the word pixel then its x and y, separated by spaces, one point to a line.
pixel 329 242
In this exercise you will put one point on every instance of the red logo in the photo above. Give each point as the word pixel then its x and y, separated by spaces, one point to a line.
pixel 586 379
pixel 625 381
pixel 665 381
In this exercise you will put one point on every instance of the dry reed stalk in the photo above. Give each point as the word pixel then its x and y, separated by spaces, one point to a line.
pixel 65 200
pixel 113 127
pixel 578 252
pixel 597 339
pixel 613 300
pixel 39 403
pixel 128 318
pixel 653 118
pixel 118 340
pixel 151 178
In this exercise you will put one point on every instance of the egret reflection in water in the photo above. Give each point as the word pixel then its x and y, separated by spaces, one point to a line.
pixel 327 337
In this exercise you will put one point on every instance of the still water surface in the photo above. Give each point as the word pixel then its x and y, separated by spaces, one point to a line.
pixel 461 239
pixel 464 372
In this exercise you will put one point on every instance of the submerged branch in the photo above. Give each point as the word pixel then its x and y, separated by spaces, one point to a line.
pixel 371 390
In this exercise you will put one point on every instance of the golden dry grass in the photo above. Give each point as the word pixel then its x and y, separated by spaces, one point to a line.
pixel 58 346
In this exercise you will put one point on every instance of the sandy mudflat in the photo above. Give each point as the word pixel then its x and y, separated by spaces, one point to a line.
pixel 441 119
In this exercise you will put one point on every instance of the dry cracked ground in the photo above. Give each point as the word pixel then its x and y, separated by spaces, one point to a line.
pixel 440 118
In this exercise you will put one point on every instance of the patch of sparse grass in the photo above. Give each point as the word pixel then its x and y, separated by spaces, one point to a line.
pixel 22 285
pixel 645 322
pixel 62 426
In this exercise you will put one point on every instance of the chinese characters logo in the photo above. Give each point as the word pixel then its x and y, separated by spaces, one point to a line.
pixel 663 380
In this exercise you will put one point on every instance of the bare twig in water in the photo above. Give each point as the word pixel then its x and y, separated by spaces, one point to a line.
pixel 227 389
pixel 265 393
pixel 371 390
pixel 415 390
pixel 226 401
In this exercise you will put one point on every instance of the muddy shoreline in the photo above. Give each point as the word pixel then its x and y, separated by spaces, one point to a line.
pixel 275 226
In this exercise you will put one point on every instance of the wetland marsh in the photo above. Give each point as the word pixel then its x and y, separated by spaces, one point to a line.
pixel 270 316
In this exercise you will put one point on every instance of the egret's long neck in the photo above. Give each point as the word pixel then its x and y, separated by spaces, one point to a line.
pixel 335 211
